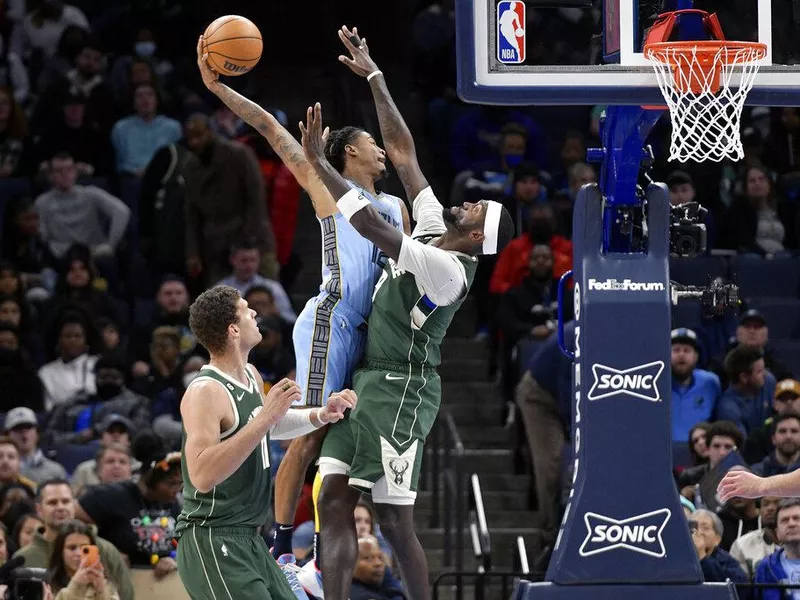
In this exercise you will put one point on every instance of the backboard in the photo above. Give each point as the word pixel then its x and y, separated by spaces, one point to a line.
pixel 552 52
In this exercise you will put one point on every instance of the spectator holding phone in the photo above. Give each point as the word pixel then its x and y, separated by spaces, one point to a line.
pixel 76 571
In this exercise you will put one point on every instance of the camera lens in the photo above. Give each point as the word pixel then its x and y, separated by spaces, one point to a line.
pixel 685 245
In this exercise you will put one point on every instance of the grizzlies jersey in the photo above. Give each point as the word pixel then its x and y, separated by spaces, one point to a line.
pixel 352 264
pixel 405 327
pixel 242 500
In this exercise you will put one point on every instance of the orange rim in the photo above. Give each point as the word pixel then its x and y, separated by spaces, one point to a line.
pixel 706 49
pixel 680 57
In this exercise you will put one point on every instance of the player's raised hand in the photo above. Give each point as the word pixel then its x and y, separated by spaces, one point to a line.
pixel 360 62
pixel 209 75
pixel 740 484
pixel 279 399
pixel 337 403
pixel 313 134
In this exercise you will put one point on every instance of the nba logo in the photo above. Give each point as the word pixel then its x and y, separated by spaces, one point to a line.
pixel 511 32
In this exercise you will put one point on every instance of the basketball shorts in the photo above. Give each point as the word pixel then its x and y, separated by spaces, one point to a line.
pixel 329 340
pixel 229 562
pixel 380 444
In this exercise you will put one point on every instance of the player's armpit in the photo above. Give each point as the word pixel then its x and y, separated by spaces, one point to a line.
pixel 440 275
pixel 371 225
pixel 406 218
pixel 324 204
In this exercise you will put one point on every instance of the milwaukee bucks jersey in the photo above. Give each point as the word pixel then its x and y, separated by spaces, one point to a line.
pixel 405 326
pixel 242 500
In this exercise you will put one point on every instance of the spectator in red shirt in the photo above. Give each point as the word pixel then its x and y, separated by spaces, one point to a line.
pixel 513 263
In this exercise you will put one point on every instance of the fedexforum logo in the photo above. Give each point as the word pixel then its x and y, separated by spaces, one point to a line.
pixel 639 382
pixel 626 285
pixel 641 534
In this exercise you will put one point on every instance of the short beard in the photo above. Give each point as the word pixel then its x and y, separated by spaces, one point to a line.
pixel 450 220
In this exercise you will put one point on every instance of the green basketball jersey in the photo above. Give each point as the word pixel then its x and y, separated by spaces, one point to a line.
pixel 243 499
pixel 405 326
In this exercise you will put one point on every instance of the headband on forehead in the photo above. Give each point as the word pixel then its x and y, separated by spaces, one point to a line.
pixel 491 225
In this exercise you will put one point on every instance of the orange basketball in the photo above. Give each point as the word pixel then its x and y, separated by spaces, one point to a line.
pixel 233 44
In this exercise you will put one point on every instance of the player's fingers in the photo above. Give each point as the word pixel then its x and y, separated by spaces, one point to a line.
pixel 350 41
pixel 303 131
pixel 326 133
pixel 318 115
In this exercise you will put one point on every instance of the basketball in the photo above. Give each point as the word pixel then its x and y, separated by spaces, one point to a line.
pixel 233 44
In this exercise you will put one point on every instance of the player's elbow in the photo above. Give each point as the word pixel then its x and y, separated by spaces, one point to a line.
pixel 201 484
pixel 200 478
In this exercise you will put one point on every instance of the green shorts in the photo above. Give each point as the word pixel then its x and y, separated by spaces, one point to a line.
pixel 223 563
pixel 380 445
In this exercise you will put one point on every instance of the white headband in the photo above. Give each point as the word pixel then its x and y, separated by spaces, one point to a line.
pixel 491 225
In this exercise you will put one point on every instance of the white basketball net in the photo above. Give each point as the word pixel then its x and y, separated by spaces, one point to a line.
pixel 706 116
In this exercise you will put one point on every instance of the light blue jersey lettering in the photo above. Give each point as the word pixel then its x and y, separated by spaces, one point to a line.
pixel 351 264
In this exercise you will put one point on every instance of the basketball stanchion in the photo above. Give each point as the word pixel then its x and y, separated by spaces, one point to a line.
pixel 624 535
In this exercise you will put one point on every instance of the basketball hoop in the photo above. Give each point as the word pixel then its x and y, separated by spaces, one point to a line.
pixel 697 80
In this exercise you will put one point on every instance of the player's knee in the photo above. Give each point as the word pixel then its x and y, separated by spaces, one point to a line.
pixel 392 521
pixel 334 501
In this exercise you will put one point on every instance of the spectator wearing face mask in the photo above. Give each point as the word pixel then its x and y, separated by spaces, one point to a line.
pixel 513 263
pixel 145 47
pixel 23 428
pixel 80 421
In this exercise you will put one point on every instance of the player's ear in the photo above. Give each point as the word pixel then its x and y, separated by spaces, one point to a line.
pixel 476 236
pixel 351 150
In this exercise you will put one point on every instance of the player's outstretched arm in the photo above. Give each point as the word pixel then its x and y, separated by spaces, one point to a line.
pixel 281 141
pixel 744 484
pixel 351 203
pixel 299 421
pixel 204 408
pixel 396 136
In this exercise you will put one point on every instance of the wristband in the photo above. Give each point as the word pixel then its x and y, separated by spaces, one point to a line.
pixel 352 202
pixel 374 74
pixel 322 422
